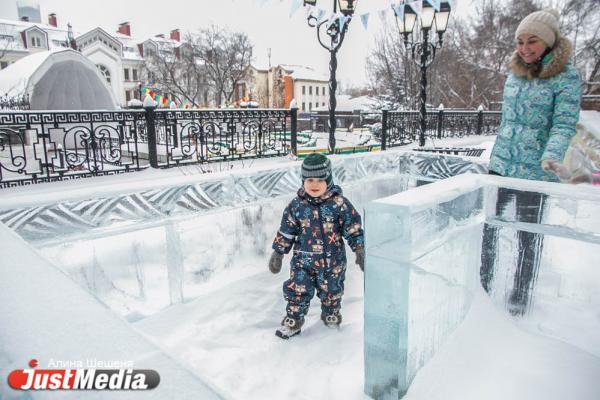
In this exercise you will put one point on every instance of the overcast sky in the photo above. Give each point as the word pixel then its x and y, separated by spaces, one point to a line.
pixel 267 23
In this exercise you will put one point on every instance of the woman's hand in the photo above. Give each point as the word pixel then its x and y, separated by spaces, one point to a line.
pixel 557 168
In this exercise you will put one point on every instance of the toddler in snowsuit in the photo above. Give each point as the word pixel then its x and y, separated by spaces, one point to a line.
pixel 314 224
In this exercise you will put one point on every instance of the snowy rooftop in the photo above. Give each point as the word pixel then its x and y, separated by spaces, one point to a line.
pixel 303 73
pixel 348 103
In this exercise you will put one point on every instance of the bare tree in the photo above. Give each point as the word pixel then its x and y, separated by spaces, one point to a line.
pixel 391 72
pixel 173 69
pixel 224 56
pixel 581 22
pixel 468 70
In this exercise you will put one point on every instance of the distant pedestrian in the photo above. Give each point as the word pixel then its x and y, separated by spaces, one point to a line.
pixel 313 227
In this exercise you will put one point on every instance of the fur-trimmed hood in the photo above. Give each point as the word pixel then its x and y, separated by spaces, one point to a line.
pixel 559 58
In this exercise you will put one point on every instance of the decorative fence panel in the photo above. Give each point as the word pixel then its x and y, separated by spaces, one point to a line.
pixel 50 146
pixel 403 127
pixel 198 136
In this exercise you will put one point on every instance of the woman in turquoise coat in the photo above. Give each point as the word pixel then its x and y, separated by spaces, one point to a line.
pixel 539 113
pixel 541 103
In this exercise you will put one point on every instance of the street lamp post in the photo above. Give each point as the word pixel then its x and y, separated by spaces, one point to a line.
pixel 336 30
pixel 423 51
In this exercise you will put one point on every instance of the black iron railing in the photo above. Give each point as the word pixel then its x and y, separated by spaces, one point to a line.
pixel 403 127
pixel 198 136
pixel 20 102
pixel 49 146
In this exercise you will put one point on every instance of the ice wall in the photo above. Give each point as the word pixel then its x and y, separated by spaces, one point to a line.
pixel 142 251
pixel 46 316
pixel 424 261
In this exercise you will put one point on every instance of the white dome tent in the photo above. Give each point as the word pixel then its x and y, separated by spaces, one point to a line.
pixel 58 80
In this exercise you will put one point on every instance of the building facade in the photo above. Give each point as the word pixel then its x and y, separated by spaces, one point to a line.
pixel 118 56
pixel 22 38
pixel 276 87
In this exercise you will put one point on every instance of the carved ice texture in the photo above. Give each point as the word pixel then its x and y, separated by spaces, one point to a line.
pixel 160 243
pixel 540 258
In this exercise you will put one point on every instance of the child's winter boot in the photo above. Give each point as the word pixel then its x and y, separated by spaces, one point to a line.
pixel 290 327
pixel 332 320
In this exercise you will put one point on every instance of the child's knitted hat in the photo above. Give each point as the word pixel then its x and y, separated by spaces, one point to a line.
pixel 317 165
pixel 543 24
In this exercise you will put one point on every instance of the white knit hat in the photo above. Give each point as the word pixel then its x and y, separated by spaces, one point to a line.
pixel 543 24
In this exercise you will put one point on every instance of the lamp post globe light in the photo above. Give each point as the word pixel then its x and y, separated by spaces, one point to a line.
pixel 336 30
pixel 423 50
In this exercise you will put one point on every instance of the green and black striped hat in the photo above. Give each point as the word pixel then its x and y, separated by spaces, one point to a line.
pixel 317 166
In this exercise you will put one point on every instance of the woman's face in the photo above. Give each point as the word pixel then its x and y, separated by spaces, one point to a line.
pixel 530 47
pixel 315 187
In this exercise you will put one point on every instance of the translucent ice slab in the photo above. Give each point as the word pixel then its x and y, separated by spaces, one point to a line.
pixel 425 260
pixel 156 245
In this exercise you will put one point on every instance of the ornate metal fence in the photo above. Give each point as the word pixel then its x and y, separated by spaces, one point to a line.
pixel 20 102
pixel 402 127
pixel 197 136
pixel 50 146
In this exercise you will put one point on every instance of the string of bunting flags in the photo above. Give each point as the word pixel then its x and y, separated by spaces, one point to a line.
pixel 164 101
pixel 397 6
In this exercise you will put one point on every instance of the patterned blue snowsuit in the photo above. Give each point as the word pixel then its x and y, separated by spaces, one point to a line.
pixel 315 227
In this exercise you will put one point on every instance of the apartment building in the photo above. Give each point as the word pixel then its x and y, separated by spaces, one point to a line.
pixel 117 55
pixel 277 86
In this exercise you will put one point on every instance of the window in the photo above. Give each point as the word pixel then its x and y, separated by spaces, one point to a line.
pixel 303 92
pixel 323 104
pixel 310 90
pixel 36 41
pixel 309 106
pixel 134 74
pixel 126 71
pixel 104 71
pixel 127 95
pixel 303 104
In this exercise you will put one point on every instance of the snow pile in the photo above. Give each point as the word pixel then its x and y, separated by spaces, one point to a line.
pixel 490 357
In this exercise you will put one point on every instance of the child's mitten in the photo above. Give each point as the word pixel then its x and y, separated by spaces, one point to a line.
pixel 360 258
pixel 275 262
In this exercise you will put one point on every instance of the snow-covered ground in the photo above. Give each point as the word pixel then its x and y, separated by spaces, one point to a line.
pixel 229 336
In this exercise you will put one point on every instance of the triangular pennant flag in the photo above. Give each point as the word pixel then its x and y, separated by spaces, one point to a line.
pixel 343 20
pixel 435 4
pixel 399 10
pixel 321 16
pixel 382 14
pixel 417 7
pixel 294 7
pixel 364 18
pixel 308 10
pixel 332 19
